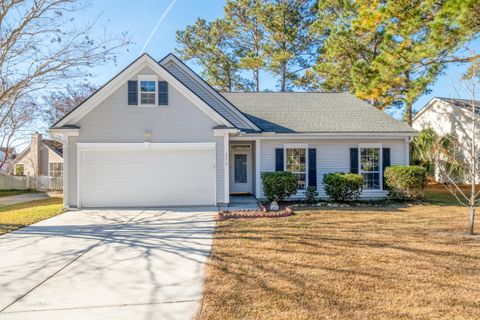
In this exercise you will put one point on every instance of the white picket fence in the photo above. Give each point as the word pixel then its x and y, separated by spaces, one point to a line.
pixel 41 183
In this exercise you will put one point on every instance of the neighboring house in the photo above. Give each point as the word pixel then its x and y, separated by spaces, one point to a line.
pixel 448 116
pixel 43 157
pixel 158 135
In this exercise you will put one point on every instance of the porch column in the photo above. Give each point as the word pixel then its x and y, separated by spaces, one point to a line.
pixel 226 167
pixel 258 178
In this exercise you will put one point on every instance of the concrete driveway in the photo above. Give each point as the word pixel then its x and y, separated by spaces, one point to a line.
pixel 107 264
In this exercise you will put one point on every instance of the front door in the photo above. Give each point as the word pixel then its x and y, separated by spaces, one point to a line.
pixel 241 169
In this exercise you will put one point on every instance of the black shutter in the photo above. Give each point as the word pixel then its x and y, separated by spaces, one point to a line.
pixel 385 162
pixel 132 92
pixel 354 160
pixel 312 168
pixel 279 160
pixel 162 93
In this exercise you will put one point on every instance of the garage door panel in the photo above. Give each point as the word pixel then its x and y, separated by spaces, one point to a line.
pixel 147 178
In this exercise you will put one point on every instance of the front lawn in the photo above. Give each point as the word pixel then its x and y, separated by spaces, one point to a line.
pixel 411 262
pixel 16 216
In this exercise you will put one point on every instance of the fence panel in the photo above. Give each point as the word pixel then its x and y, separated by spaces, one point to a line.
pixel 41 183
pixel 13 182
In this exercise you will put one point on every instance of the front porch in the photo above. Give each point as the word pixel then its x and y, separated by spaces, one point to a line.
pixel 243 173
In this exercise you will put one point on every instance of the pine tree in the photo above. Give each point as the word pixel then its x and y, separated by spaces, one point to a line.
pixel 390 51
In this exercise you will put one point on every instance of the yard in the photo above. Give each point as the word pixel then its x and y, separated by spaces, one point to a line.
pixel 403 262
pixel 16 216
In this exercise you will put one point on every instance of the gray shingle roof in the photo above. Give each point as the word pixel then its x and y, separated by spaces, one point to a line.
pixel 461 103
pixel 291 112
pixel 56 146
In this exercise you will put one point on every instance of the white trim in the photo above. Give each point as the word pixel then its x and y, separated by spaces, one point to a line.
pixel 370 145
pixel 323 136
pixel 85 147
pixel 170 58
pixel 258 176
pixel 64 131
pixel 146 146
pixel 222 132
pixel 295 145
pixel 79 177
pixel 425 108
pixel 226 168
pixel 121 79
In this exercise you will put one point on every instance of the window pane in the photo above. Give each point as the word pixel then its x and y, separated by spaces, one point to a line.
pixel 147 86
pixel 147 98
pixel 240 163
pixel 301 180
pixel 371 180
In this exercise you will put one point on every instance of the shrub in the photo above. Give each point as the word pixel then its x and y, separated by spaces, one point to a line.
pixel 406 182
pixel 343 186
pixel 311 195
pixel 279 185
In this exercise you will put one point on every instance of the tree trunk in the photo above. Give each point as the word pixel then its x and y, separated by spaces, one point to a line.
pixel 256 75
pixel 471 223
pixel 408 112
pixel 283 86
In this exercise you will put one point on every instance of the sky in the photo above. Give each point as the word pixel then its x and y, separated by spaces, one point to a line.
pixel 151 25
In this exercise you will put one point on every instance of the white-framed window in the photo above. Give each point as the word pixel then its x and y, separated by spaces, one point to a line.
pixel 296 162
pixel 55 169
pixel 370 166
pixel 147 90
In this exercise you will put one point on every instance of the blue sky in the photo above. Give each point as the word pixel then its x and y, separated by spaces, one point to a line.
pixel 140 17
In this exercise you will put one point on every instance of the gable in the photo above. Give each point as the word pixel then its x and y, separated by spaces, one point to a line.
pixel 202 89
pixel 121 80
pixel 114 120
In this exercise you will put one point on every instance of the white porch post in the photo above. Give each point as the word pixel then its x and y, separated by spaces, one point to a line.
pixel 258 178
pixel 226 167
pixel 62 135
pixel 407 151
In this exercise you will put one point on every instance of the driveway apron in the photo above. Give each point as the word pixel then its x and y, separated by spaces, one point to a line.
pixel 104 264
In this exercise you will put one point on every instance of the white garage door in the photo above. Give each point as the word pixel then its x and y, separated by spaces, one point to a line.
pixel 126 178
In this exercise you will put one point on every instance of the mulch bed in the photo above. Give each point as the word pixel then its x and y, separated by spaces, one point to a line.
pixel 283 212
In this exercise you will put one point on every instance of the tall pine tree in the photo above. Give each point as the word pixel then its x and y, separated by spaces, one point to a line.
pixel 390 51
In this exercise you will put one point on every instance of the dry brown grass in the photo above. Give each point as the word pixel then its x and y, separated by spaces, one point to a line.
pixel 394 263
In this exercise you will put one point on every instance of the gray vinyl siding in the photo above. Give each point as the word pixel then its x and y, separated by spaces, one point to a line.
pixel 114 121
pixel 206 96
pixel 332 156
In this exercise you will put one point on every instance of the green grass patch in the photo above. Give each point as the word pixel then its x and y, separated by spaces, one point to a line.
pixel 20 215
pixel 13 192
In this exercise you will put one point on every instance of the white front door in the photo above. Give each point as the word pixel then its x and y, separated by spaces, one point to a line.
pixel 241 169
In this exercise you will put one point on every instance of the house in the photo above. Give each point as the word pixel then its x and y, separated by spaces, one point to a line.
pixel 158 135
pixel 43 157
pixel 448 116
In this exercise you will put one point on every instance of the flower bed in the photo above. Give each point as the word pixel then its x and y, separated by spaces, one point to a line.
pixel 224 215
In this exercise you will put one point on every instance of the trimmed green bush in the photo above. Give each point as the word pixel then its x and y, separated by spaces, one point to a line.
pixel 279 185
pixel 406 182
pixel 311 195
pixel 343 186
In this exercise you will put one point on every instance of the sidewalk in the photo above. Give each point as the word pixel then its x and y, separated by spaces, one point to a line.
pixel 5 201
